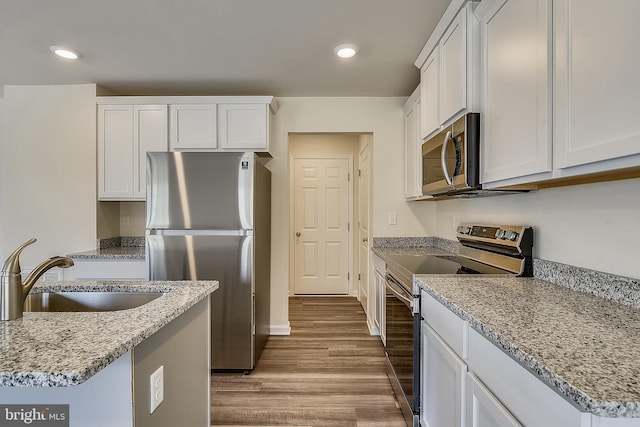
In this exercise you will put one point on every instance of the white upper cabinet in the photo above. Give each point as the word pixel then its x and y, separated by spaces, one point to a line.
pixel 131 126
pixel 449 68
pixel 412 147
pixel 516 101
pixel 453 78
pixel 150 134
pixel 125 134
pixel 559 91
pixel 221 123
pixel 193 127
pixel 596 81
pixel 243 126
pixel 115 152
pixel 430 95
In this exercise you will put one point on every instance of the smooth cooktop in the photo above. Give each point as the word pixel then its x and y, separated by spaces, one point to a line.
pixel 433 264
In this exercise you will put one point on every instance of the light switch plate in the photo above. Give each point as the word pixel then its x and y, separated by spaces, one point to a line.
pixel 156 388
pixel 393 218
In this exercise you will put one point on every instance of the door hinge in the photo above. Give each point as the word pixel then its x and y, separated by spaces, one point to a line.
pixel 359 172
pixel 348 176
pixel 348 226
pixel 358 276
pixel 348 276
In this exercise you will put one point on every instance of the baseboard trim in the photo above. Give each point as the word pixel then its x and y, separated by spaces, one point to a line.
pixel 280 329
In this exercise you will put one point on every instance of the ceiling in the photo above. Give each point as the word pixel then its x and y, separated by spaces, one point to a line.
pixel 218 47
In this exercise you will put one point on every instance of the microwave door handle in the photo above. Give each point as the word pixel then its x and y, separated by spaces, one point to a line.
pixel 443 157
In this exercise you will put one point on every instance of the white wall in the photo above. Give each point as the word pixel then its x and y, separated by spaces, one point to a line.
pixel 595 226
pixel 48 170
pixel 380 116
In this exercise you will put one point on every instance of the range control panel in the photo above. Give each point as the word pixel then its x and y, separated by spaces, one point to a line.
pixel 512 237
pixel 511 233
pixel 502 244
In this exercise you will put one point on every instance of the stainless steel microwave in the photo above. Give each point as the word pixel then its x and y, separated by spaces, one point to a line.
pixel 451 159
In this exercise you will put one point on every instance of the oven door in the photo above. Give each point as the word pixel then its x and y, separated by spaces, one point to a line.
pixel 403 346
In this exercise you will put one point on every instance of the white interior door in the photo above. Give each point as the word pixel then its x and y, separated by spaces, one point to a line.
pixel 321 226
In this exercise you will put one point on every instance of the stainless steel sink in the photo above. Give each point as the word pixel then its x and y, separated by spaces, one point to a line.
pixel 87 301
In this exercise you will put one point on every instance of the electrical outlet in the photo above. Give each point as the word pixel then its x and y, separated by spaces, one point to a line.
pixel 156 388
pixel 393 218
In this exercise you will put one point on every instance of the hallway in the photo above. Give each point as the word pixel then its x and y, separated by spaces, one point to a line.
pixel 328 372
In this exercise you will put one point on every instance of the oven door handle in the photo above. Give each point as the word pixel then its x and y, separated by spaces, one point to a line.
pixel 391 280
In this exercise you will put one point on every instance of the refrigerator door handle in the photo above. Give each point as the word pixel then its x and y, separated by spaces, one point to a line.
pixel 164 232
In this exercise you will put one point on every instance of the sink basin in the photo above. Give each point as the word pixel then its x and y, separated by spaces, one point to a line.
pixel 87 301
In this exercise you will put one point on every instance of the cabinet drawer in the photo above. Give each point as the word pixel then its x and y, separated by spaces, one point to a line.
pixel 521 392
pixel 452 329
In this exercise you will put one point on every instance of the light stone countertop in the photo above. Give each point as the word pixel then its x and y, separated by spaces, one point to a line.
pixel 66 349
pixel 118 253
pixel 584 347
pixel 384 252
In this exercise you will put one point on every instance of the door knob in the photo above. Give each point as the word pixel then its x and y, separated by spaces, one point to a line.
pixel 297 234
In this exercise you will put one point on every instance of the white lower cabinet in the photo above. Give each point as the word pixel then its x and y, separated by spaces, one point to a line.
pixel 518 390
pixel 378 293
pixel 468 381
pixel 443 383
pixel 483 409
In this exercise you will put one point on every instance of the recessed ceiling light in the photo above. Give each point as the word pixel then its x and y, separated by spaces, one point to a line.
pixel 346 50
pixel 65 52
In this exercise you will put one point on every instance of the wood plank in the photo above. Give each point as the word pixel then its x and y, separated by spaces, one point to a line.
pixel 328 372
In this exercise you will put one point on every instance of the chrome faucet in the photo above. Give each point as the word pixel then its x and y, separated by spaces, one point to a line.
pixel 12 291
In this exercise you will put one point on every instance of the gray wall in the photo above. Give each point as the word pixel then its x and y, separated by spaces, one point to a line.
pixel 182 347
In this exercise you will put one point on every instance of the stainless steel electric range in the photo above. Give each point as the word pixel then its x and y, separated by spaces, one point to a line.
pixel 498 250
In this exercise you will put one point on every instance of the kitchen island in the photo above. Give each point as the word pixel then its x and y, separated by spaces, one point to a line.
pixel 100 362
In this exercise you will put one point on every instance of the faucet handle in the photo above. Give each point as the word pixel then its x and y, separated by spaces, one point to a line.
pixel 12 264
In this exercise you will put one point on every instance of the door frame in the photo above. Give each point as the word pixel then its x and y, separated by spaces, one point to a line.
pixel 292 241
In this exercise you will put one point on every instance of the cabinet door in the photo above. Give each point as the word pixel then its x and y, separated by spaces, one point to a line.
pixel 430 95
pixel 411 143
pixel 243 126
pixel 596 87
pixel 379 271
pixel 516 69
pixel 192 127
pixel 483 409
pixel 453 59
pixel 150 134
pixel 115 152
pixel 443 383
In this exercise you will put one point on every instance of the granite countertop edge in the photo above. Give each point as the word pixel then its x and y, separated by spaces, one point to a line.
pixel 132 253
pixel 150 317
pixel 609 409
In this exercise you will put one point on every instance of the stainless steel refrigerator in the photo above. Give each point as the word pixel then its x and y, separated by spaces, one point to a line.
pixel 209 218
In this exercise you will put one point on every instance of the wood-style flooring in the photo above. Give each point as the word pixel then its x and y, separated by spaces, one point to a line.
pixel 328 372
